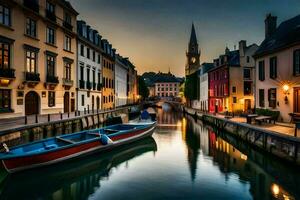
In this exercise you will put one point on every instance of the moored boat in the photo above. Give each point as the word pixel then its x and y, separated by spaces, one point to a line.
pixel 64 147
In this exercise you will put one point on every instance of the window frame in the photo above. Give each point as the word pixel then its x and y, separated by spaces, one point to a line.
pixel 273 67
pixel 5 100
pixel 51 98
pixel 261 70
pixel 3 56
pixel 31 27
pixel 5 16
pixel 31 58
pixel 50 35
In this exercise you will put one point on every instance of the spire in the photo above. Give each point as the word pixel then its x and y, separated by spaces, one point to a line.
pixel 193 38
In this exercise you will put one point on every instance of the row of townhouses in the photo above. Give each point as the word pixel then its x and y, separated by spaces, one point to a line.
pixel 50 62
pixel 265 76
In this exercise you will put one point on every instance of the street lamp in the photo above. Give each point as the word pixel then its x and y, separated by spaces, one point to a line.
pixel 286 88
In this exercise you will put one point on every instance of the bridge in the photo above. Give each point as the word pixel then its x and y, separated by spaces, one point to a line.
pixel 174 104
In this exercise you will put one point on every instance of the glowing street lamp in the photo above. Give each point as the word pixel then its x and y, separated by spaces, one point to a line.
pixel 286 88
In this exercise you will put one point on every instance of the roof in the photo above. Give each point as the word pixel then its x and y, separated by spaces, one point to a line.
pixel 151 78
pixel 193 38
pixel 287 33
pixel 205 67
pixel 68 5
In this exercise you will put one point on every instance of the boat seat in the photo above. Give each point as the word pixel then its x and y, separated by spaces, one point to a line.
pixel 65 140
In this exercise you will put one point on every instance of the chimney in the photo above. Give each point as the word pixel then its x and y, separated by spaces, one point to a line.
pixel 270 25
pixel 242 47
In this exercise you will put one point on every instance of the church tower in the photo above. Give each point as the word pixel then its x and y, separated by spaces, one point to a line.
pixel 193 54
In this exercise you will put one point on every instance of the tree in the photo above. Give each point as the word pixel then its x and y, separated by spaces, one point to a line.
pixel 143 90
pixel 191 89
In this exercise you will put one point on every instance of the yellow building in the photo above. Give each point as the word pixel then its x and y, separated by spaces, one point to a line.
pixel 108 70
pixel 38 53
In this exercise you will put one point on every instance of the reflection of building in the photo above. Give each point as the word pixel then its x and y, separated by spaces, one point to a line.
pixel 121 76
pixel 231 80
pixel 89 68
pixel 37 54
pixel 278 67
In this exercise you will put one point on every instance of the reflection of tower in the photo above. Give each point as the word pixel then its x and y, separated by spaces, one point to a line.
pixel 193 146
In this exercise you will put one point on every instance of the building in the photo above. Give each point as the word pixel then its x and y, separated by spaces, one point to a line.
pixel 192 54
pixel 166 85
pixel 121 76
pixel 38 56
pixel 108 70
pixel 231 81
pixel 203 81
pixel 132 84
pixel 278 67
pixel 89 69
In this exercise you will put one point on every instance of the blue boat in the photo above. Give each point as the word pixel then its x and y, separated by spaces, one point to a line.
pixel 64 147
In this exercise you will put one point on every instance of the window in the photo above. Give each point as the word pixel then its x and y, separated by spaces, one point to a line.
pixel 234 100
pixel 247 88
pixel 4 55
pixel 248 59
pixel 67 43
pixel 82 100
pixel 68 75
pixel 99 77
pixel 81 50
pixel 50 7
pixel 98 58
pixel 233 89
pixel 94 76
pixel 273 67
pixel 247 73
pixel 5 100
pixel 88 53
pixel 158 94
pixel 31 27
pixel 272 97
pixel 68 18
pixel 296 61
pixel 50 65
pixel 51 99
pixel 5 15
pixel 261 96
pixel 88 74
pixel 261 70
pixel 81 72
pixel 31 61
pixel 50 35
pixel 94 56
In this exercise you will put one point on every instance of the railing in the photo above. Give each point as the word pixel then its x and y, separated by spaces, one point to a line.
pixel 7 73
pixel 52 79
pixel 99 86
pixel 50 15
pixel 67 82
pixel 32 77
pixel 81 84
pixel 88 85
pixel 32 5
pixel 67 25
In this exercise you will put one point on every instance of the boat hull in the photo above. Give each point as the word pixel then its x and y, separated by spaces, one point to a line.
pixel 48 158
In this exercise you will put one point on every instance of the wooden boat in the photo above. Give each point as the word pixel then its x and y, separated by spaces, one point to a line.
pixel 64 147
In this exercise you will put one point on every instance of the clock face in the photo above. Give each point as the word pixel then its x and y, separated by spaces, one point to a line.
pixel 193 59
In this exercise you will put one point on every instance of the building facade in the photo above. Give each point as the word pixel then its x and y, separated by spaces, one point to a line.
pixel 108 80
pixel 38 56
pixel 278 67
pixel 192 54
pixel 89 68
pixel 231 81
pixel 166 85
pixel 121 80
pixel 132 84
pixel 203 80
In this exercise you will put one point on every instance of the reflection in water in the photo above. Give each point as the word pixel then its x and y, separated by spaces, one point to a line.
pixel 187 160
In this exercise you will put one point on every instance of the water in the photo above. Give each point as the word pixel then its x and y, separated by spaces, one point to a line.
pixel 183 160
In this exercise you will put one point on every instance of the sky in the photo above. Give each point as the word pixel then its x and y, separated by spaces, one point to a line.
pixel 154 34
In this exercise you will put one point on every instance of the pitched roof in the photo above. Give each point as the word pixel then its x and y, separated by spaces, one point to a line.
pixel 287 33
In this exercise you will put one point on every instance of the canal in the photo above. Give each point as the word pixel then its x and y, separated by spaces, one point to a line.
pixel 184 160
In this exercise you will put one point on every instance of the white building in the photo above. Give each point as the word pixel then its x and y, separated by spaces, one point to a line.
pixel 89 71
pixel 166 85
pixel 121 79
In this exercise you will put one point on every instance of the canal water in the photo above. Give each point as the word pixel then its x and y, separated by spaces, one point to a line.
pixel 184 160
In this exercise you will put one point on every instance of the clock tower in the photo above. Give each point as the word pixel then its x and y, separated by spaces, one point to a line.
pixel 193 54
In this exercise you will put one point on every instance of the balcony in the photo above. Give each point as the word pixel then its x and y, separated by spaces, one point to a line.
pixel 7 73
pixel 32 5
pixel 51 15
pixel 88 85
pixel 67 25
pixel 94 86
pixel 99 86
pixel 32 77
pixel 81 84
pixel 67 82
pixel 52 79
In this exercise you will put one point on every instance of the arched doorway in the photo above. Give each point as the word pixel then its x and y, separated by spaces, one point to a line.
pixel 32 103
pixel 66 102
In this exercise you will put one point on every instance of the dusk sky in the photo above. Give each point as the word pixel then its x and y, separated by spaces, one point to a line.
pixel 154 34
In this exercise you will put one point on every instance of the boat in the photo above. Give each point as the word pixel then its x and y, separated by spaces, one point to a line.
pixel 60 148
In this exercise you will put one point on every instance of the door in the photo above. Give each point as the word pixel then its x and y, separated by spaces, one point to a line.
pixel 32 103
pixel 247 105
pixel 72 105
pixel 66 102
pixel 296 100
pixel 98 103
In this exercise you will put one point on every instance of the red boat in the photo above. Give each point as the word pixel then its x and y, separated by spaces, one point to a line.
pixel 60 148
